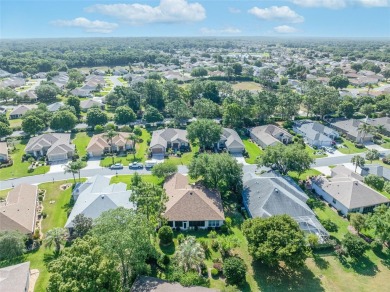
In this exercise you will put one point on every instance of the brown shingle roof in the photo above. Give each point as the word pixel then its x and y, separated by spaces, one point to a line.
pixel 192 203
pixel 99 142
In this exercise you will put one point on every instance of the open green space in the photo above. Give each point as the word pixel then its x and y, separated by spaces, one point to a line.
pixel 247 86
pixel 14 123
pixel 81 141
pixel 19 168
pixel 185 158
pixel 349 148
pixel 140 156
pixel 303 176
pixel 253 150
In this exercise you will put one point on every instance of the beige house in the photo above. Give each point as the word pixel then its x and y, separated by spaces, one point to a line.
pixel 3 151
pixel 100 144
pixel 191 206
pixel 269 135
pixel 168 138
pixel 19 211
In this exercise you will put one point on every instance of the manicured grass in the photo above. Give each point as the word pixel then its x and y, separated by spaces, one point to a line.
pixel 140 156
pixel 350 148
pixel 186 157
pixel 312 152
pixel 247 86
pixel 127 179
pixel 311 172
pixel 19 168
pixel 325 212
pixel 81 141
pixel 253 150
pixel 13 122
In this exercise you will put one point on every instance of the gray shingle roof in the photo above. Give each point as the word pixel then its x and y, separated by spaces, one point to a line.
pixel 58 143
pixel 268 133
pixel 15 278
pixel 376 169
pixel 149 284
pixel 162 137
pixel 232 138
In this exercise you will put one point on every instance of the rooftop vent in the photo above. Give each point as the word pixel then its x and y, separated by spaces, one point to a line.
pixel 102 196
pixel 276 190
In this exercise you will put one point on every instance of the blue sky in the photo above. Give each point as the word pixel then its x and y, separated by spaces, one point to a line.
pixel 87 18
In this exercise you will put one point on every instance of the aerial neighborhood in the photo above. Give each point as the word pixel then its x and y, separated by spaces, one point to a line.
pixel 194 165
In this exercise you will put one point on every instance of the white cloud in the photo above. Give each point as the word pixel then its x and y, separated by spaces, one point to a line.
pixel 285 29
pixel 168 11
pixel 333 4
pixel 88 25
pixel 224 31
pixel 282 13
pixel 374 3
pixel 234 10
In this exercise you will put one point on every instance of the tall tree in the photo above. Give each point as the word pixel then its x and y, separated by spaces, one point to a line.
pixel 233 115
pixel 81 225
pixel 154 94
pixel 206 132
pixel 339 81
pixel 179 110
pixel 5 130
pixel 357 160
pixel 75 102
pixel 124 115
pixel 358 221
pixel 56 237
pixel 363 130
pixel 63 120
pixel 288 103
pixel 190 254
pixel 11 244
pixel 32 125
pixel 372 154
pixel 95 116
pixel 379 221
pixel 165 169
pixel 206 109
pixel 152 115
pixel 47 93
pixel 354 245
pixel 73 168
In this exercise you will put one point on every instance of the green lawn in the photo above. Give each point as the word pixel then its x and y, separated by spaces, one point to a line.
pixel 14 122
pixel 185 158
pixel 253 150
pixel 19 168
pixel 325 212
pixel 312 152
pixel 81 141
pixel 4 193
pixel 127 179
pixel 350 148
pixel 311 172
pixel 140 156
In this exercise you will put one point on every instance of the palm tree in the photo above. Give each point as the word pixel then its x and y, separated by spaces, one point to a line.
pixel 364 129
pixel 73 168
pixel 56 236
pixel 380 129
pixel 369 87
pixel 110 135
pixel 135 139
pixel 190 254
pixel 357 160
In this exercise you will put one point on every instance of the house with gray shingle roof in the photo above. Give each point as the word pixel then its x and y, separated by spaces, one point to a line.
pixel 315 134
pixel 231 141
pixel 55 106
pixel 271 194
pixel 191 206
pixel 55 146
pixel 96 196
pixel 15 278
pixel 376 169
pixel 346 192
pixel 351 129
pixel 150 284
pixel 168 138
pixel 269 135
pixel 20 110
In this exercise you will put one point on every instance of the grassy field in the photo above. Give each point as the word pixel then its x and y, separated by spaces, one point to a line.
pixel 81 141
pixel 185 158
pixel 350 148
pixel 253 150
pixel 247 86
pixel 19 168
pixel 140 156
pixel 127 179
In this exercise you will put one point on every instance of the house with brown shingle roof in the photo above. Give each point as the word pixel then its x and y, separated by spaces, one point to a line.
pixel 191 206
pixel 19 210
pixel 100 144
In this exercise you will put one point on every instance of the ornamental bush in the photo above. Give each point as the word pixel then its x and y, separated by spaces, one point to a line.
pixel 234 270
pixel 165 234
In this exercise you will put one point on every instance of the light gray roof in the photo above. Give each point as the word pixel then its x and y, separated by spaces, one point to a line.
pixel 384 121
pixel 162 137
pixel 98 196
pixel 149 284
pixel 57 143
pixel 376 169
pixel 316 131
pixel 351 126
pixel 86 104
pixel 55 106
pixel 232 138
pixel 15 278
pixel 22 109
pixel 271 194
pixel 268 133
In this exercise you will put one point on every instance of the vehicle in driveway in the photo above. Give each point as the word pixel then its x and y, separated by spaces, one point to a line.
pixel 150 163
pixel 117 166
pixel 135 165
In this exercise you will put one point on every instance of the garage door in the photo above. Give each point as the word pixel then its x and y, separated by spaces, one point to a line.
pixel 236 150
pixel 157 150
pixel 57 157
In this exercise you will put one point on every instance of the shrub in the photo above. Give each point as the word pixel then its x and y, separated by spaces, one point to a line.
pixel 354 246
pixel 212 234
pixel 234 270
pixel 180 238
pixel 98 129
pixel 375 181
pixel 165 259
pixel 376 246
pixel 214 272
pixel 205 245
pixel 215 245
pixel 165 234
pixel 193 279
pixel 329 225
pixel 359 146
pixel 218 267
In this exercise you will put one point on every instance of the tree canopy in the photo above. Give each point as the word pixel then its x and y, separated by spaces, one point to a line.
pixel 206 132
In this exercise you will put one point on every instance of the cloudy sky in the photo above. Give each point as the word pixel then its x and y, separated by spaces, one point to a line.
pixel 79 18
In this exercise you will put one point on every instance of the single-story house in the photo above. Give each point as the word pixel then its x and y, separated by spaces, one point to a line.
pixel 346 192
pixel 3 151
pixel 55 146
pixel 81 92
pixel 269 135
pixel 189 206
pixel 315 134
pixel 100 144
pixel 231 141
pixel 12 82
pixel 60 80
pixel 96 196
pixel 150 284
pixel 20 110
pixel 351 129
pixel 376 169
pixel 271 194
pixel 30 95
pixel 19 211
pixel 55 106
pixel 15 278
pixel 87 104
pixel 168 138
pixel 384 121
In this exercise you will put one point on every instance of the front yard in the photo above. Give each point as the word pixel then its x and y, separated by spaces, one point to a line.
pixel 19 168
pixel 185 158
pixel 313 153
pixel 81 140
pixel 253 150
pixel 350 148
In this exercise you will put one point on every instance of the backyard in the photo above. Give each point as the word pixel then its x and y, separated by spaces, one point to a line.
pixel 127 179
pixel 19 168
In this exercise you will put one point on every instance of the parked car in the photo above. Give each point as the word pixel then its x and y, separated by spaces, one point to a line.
pixel 134 165
pixel 150 163
pixel 117 166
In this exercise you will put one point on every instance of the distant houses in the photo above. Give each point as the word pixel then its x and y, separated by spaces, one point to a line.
pixel 20 110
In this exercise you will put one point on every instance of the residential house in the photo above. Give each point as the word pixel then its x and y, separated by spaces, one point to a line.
pixel 384 121
pixel 60 80
pixel 19 210
pixel 55 146
pixel 15 278
pixel 81 92
pixel 269 135
pixel 20 110
pixel 175 139
pixel 150 284
pixel 346 192
pixel 271 194
pixel 351 129
pixel 376 169
pixel 29 96
pixel 96 196
pixel 87 104
pixel 315 134
pixel 55 106
pixel 12 82
pixel 3 152
pixel 231 141
pixel 191 206
pixel 100 144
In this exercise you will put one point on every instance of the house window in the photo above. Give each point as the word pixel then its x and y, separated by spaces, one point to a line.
pixel 355 210
pixel 334 201
pixel 197 223
pixel 170 223
pixel 178 223
pixel 214 223
pixel 369 209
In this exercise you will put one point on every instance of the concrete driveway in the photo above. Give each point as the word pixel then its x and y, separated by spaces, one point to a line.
pixel 58 167
pixel 240 158
pixel 93 163
pixel 374 146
